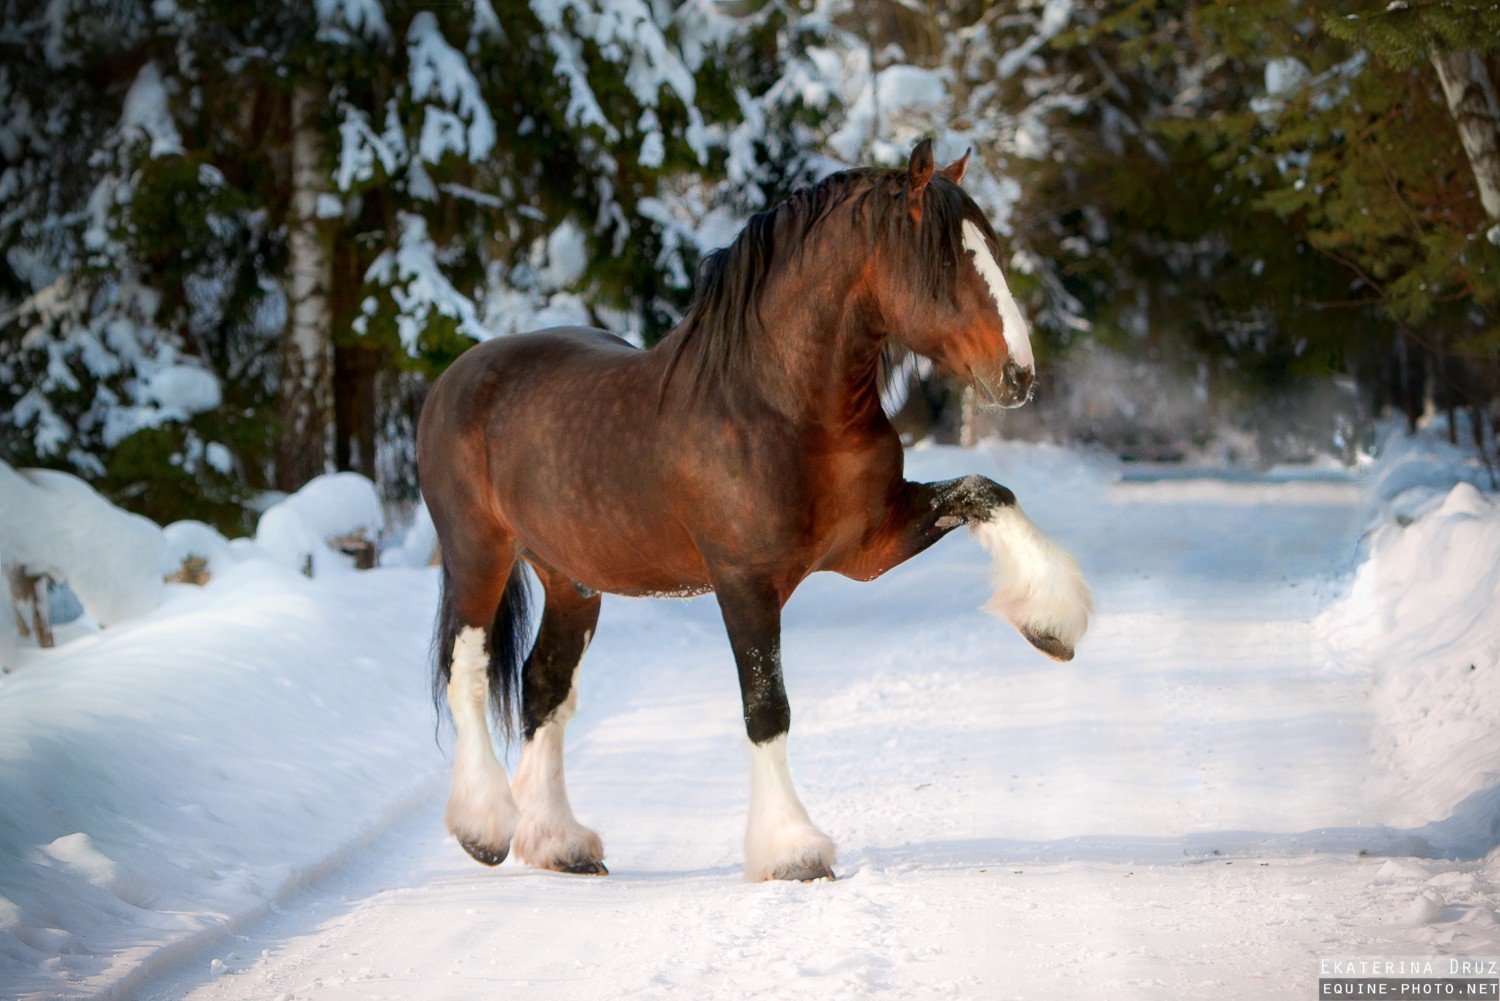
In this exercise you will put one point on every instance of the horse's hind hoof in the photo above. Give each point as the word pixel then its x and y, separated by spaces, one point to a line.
pixel 583 868
pixel 483 853
pixel 1049 645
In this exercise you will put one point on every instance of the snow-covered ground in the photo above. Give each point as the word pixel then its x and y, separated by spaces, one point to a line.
pixel 1260 757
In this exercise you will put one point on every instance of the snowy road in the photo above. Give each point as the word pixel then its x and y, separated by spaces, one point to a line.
pixel 1178 813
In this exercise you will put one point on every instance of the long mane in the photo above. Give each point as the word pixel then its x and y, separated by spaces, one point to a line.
pixel 722 323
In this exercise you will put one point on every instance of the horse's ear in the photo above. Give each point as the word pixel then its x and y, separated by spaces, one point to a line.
pixel 919 171
pixel 955 170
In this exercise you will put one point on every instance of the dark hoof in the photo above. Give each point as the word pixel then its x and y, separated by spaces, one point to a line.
pixel 484 853
pixel 805 873
pixel 581 868
pixel 1049 645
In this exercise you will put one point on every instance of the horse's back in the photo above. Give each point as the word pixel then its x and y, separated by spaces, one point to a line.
pixel 514 358
pixel 557 435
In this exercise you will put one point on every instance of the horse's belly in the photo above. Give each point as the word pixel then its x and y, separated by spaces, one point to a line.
pixel 610 534
pixel 616 563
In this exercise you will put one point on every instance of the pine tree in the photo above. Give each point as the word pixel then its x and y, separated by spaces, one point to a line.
pixel 309 209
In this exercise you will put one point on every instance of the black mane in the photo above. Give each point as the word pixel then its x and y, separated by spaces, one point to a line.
pixel 723 320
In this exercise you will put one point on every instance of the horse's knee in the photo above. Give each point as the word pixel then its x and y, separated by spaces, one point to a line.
pixel 978 498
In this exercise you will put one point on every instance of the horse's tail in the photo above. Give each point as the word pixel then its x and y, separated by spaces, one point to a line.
pixel 505 648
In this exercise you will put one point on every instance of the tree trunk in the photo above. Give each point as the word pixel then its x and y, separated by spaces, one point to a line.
pixel 968 427
pixel 305 446
pixel 356 407
pixel 1472 102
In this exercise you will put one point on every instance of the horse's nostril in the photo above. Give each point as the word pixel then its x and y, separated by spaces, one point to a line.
pixel 1017 379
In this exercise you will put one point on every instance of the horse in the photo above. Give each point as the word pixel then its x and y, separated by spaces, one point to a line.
pixel 744 451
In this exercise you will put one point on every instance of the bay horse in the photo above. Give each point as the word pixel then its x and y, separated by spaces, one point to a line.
pixel 743 452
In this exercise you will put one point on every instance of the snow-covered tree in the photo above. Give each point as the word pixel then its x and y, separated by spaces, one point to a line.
pixel 238 236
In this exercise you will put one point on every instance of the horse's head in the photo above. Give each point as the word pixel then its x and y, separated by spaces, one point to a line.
pixel 956 308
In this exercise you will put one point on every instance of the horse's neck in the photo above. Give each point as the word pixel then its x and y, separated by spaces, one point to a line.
pixel 817 356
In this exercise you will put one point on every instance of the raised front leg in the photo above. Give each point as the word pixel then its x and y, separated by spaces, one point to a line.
pixel 780 840
pixel 1039 587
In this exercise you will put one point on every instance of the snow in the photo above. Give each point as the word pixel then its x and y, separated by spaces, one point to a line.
pixel 341 21
pixel 1055 17
pixel 296 530
pixel 418 286
pixel 145 111
pixel 1285 74
pixel 186 770
pixel 1183 811
pixel 418 544
pixel 567 254
pixel 181 390
pixel 459 120
pixel 362 149
pixel 55 524
pixel 902 88
pixel 187 539
pixel 1423 617
pixel 625 32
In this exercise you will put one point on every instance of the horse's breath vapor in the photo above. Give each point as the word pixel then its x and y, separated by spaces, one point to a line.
pixel 768 458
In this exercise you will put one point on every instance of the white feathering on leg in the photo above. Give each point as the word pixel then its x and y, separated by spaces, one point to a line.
pixel 549 835
pixel 481 813
pixel 781 841
pixel 1039 587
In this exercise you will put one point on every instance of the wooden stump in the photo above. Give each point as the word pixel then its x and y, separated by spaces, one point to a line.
pixel 194 570
pixel 355 544
pixel 28 598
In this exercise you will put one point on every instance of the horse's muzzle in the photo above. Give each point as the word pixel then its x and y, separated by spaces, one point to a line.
pixel 1010 389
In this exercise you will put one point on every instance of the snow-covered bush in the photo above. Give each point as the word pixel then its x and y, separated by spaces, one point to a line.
pixel 53 523
pixel 295 531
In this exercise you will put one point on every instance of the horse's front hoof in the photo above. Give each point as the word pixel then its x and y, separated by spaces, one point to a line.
pixel 484 853
pixel 561 847
pixel 1049 645
pixel 805 873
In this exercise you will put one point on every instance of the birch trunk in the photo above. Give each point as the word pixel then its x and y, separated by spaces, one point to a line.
pixel 1471 100
pixel 305 447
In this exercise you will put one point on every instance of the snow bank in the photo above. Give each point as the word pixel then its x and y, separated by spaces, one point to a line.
pixel 418 544
pixel 1412 472
pixel 55 524
pixel 1423 613
pixel 171 776
pixel 296 530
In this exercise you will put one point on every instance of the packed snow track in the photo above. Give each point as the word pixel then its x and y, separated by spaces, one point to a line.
pixel 1183 811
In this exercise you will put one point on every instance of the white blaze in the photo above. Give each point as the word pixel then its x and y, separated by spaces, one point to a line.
pixel 1016 337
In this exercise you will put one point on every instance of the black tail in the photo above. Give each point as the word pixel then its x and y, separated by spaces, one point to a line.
pixel 506 641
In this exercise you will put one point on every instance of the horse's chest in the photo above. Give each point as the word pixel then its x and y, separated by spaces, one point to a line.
pixel 847 499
